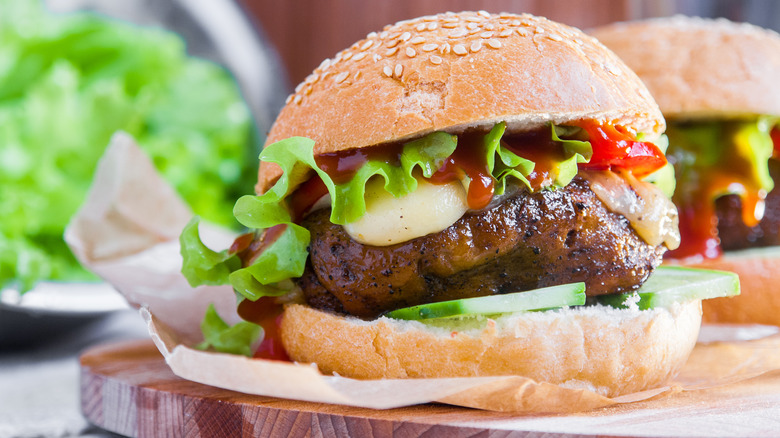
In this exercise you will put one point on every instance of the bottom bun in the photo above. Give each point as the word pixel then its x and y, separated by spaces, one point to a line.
pixel 609 351
pixel 759 280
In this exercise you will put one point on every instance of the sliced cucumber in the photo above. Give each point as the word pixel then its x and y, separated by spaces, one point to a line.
pixel 538 299
pixel 670 284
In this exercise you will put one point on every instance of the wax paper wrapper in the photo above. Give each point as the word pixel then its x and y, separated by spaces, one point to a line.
pixel 127 232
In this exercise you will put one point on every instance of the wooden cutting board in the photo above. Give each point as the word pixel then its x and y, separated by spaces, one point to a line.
pixel 128 389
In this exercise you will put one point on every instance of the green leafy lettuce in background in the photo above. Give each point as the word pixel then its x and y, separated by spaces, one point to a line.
pixel 67 83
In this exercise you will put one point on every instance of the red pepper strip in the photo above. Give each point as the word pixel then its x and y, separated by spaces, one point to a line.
pixel 612 148
pixel 266 313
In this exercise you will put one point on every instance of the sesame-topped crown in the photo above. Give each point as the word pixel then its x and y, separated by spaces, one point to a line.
pixel 702 68
pixel 456 71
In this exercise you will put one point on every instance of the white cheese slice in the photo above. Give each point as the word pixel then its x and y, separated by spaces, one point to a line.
pixel 390 220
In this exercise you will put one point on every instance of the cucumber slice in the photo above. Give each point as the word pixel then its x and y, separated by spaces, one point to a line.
pixel 538 299
pixel 670 284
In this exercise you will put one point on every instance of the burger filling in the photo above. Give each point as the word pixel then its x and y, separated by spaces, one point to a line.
pixel 445 216
pixel 726 173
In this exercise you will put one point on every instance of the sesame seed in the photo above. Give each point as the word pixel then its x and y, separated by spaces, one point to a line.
pixel 359 56
pixel 391 52
pixel 486 34
pixel 405 36
pixel 505 33
pixel 459 49
pixel 289 99
pixel 347 56
pixel 376 57
pixel 522 32
pixel 366 45
pixel 420 27
pixel 555 37
pixel 474 31
pixel 417 40
pixel 341 77
pixel 358 74
pixel 494 44
pixel 451 20
pixel 312 78
pixel 433 26
pixel 371 35
pixel 435 60
pixel 297 99
pixel 475 46
pixel 324 64
pixel 387 71
pixel 472 26
pixel 473 19
pixel 430 47
pixel 430 18
pixel 299 87
pixel 484 14
pixel 539 29
pixel 515 23
pixel 410 52
pixel 383 35
pixel 445 48
pixel 394 35
pixel 399 70
pixel 449 25
pixel 307 91
pixel 489 26
pixel 392 43
pixel 458 33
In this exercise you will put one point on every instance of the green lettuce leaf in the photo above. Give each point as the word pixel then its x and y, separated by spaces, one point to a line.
pixel 235 339
pixel 67 83
pixel 200 264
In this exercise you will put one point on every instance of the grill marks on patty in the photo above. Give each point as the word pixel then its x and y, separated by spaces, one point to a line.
pixel 530 240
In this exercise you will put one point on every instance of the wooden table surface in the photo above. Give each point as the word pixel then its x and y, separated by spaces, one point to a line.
pixel 127 388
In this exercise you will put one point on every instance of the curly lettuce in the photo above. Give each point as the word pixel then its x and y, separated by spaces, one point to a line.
pixel 285 258
pixel 67 83
pixel 235 339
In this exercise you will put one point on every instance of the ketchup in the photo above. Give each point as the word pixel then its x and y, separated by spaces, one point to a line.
pixel 776 140
pixel 266 313
pixel 613 148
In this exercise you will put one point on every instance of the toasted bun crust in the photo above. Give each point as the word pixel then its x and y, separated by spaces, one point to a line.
pixel 606 350
pixel 698 68
pixel 759 299
pixel 457 71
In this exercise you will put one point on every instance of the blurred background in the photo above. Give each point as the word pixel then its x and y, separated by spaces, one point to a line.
pixel 306 32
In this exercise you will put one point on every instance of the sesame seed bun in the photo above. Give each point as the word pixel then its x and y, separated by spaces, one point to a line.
pixel 606 350
pixel 700 68
pixel 457 71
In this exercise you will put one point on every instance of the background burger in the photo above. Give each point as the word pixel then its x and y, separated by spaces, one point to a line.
pixel 717 84
pixel 452 157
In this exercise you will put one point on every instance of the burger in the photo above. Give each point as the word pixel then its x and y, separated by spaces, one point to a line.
pixel 717 84
pixel 424 181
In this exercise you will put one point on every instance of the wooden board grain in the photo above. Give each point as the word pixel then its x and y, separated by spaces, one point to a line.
pixel 127 388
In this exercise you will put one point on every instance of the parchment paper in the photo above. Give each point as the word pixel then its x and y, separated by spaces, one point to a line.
pixel 127 232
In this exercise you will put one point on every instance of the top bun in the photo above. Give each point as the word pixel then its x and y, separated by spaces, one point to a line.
pixel 457 71
pixel 700 68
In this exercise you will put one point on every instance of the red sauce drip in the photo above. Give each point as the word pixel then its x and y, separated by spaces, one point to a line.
pixel 613 147
pixel 469 159
pixel 699 236
pixel 776 140
pixel 341 166
pixel 266 313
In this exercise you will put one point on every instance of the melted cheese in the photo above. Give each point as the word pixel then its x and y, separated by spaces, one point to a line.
pixel 652 215
pixel 390 220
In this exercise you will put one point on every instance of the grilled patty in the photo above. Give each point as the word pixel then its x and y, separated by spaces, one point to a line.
pixel 528 241
pixel 734 234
